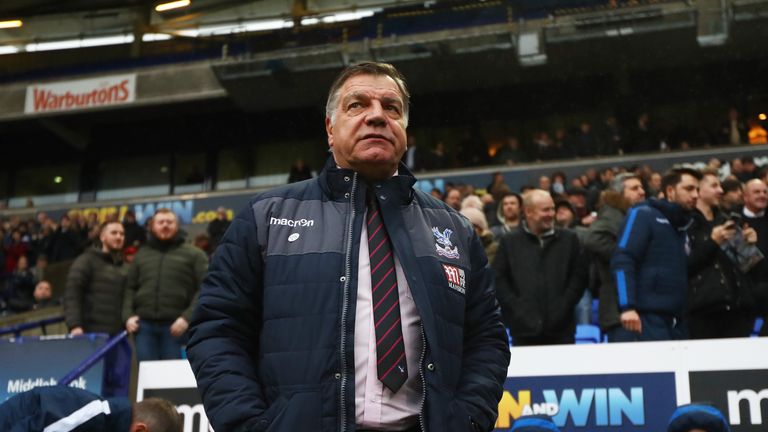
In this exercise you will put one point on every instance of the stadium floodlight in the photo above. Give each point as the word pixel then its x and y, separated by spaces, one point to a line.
pixel 10 24
pixel 152 37
pixel 530 49
pixel 8 49
pixel 340 17
pixel 80 43
pixel 172 5
pixel 239 27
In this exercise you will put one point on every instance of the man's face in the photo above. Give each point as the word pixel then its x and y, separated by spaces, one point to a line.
pixel 42 291
pixel 733 198
pixel 633 191
pixel 165 226
pixel 685 193
pixel 453 199
pixel 578 201
pixel 756 196
pixel 510 207
pixel 655 182
pixel 710 190
pixel 112 237
pixel 545 183
pixel 564 217
pixel 540 215
pixel 368 131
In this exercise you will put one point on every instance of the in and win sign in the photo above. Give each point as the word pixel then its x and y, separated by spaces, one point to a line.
pixel 616 403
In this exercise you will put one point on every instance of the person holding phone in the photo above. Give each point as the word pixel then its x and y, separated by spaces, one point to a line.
pixel 718 295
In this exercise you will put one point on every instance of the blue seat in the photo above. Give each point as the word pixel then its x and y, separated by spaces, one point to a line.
pixel 588 333
pixel 758 325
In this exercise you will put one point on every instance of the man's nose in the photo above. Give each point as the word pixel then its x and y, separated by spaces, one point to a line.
pixel 375 115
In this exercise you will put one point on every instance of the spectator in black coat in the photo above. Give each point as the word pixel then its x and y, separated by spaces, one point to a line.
pixel 135 234
pixel 299 171
pixel 217 228
pixel 66 242
pixel 717 289
pixel 539 276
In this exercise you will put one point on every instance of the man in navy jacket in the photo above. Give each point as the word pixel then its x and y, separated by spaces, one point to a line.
pixel 650 261
pixel 283 335
pixel 69 409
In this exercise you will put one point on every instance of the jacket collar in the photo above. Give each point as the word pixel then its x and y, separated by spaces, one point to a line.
pixel 676 214
pixel 546 235
pixel 337 182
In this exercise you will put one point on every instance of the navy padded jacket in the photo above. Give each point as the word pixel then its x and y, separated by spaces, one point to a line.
pixel 272 338
pixel 650 262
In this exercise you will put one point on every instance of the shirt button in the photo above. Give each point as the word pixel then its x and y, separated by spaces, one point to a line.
pixel 431 366
pixel 343 278
pixel 346 178
pixel 346 195
pixel 337 375
pixel 383 197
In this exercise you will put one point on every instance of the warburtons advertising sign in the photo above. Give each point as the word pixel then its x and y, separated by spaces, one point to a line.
pixel 80 94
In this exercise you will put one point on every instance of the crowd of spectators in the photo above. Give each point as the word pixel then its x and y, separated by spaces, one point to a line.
pixel 554 222
pixel 583 140
pixel 29 245
pixel 554 244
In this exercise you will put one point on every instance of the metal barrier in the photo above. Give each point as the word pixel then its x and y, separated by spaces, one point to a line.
pixel 18 328
pixel 93 358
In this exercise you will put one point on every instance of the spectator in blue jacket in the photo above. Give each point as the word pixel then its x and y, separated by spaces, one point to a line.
pixel 69 409
pixel 351 301
pixel 650 261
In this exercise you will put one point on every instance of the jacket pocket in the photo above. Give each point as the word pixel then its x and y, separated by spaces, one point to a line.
pixel 300 411
pixel 459 420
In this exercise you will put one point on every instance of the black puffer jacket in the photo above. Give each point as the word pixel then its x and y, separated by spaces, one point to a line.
pixel 164 280
pixel 538 282
pixel 93 298
pixel 714 282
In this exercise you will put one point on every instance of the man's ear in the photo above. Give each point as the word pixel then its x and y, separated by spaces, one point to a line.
pixel 139 427
pixel 329 131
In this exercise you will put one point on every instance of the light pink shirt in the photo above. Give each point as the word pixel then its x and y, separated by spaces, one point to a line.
pixel 376 407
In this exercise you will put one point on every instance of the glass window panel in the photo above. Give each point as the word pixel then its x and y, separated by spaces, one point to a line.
pixel 47 180
pixel 190 169
pixel 134 176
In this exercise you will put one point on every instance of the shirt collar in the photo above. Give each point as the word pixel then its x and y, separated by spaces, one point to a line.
pixel 749 214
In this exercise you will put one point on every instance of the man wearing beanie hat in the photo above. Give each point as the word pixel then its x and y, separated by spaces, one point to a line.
pixel 534 423
pixel 697 418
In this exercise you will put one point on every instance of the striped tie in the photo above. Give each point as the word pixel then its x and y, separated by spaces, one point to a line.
pixel 390 349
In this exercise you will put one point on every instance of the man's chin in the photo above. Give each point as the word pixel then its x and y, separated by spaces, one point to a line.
pixel 375 168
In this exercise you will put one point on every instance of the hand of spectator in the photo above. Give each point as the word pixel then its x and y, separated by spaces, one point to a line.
pixel 750 235
pixel 76 331
pixel 722 233
pixel 132 324
pixel 630 320
pixel 179 327
pixel 588 219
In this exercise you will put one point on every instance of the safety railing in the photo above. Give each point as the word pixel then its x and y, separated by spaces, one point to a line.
pixel 93 358
pixel 17 329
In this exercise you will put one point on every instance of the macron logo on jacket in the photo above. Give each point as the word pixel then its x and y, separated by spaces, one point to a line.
pixel 292 223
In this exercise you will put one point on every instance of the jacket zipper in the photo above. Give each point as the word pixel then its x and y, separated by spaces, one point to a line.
pixel 345 307
pixel 157 287
pixel 423 379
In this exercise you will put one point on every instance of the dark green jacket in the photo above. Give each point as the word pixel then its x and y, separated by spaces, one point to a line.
pixel 93 298
pixel 164 280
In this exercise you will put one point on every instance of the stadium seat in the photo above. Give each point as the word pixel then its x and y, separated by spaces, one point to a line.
pixel 758 325
pixel 587 333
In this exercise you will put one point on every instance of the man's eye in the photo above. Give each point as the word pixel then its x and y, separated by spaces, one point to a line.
pixel 354 105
